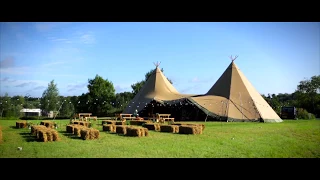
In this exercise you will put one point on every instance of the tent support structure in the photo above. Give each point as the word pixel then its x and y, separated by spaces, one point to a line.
pixel 241 104
pixel 206 118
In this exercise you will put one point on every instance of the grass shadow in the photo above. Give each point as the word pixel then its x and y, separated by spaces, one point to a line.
pixel 29 137
pixel 69 135
pixel 15 127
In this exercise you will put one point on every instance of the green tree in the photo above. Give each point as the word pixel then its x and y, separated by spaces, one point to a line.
pixel 101 94
pixel 17 105
pixel 82 105
pixel 5 104
pixel 138 85
pixel 308 94
pixel 50 98
pixel 66 107
pixel 122 100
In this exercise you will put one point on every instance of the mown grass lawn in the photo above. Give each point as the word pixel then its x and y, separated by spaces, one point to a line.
pixel 288 139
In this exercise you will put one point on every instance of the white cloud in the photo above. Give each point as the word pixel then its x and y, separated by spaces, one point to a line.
pixel 26 84
pixel 86 38
pixel 14 70
pixel 78 37
pixel 53 63
pixel 77 86
pixel 63 40
pixel 196 79
pixel 7 63
pixel 42 26
pixel 22 83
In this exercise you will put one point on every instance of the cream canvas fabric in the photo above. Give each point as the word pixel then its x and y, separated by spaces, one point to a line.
pixel 234 97
pixel 158 88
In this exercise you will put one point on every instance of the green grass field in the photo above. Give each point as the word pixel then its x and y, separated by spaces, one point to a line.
pixel 289 139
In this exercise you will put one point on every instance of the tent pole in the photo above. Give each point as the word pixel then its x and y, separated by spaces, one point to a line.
pixel 241 104
pixel 206 118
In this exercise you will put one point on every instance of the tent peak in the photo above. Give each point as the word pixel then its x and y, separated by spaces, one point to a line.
pixel 233 58
pixel 157 64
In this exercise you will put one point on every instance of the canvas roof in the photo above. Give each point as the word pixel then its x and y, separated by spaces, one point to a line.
pixel 158 88
pixel 234 97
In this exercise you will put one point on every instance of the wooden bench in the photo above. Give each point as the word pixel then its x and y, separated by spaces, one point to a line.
pixel 91 117
pixel 171 120
pixel 124 117
pixel 84 116
pixel 164 117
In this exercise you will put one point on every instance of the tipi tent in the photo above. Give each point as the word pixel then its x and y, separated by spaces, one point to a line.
pixel 234 98
pixel 156 88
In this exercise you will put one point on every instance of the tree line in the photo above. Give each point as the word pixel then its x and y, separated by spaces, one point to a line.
pixel 101 99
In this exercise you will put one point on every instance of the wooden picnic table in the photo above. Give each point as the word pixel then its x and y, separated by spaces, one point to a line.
pixel 164 117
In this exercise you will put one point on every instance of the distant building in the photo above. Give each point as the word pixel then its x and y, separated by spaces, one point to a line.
pixel 31 112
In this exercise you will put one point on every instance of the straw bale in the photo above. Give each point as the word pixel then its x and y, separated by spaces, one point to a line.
pixel 121 129
pixel 94 133
pixel 152 126
pixel 76 122
pixel 139 122
pixel 108 122
pixel 120 123
pixel 84 134
pixel 133 132
pixel 49 135
pixel 55 136
pixel 36 128
pixel 69 128
pixel 21 124
pixel 109 127
pixel 48 124
pixel 190 129
pixel 77 130
pixel 169 128
pixel 179 124
pixel 42 135
pixel 89 133
pixel 137 131
pixel 146 132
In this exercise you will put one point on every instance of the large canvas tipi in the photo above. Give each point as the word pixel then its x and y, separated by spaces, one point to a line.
pixel 158 88
pixel 234 98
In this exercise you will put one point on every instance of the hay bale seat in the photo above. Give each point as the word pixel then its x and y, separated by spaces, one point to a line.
pixel 21 124
pixel 108 122
pixel 48 124
pixel 121 123
pixel 89 133
pixel 109 127
pixel 35 129
pixel 139 122
pixel 77 130
pixel 83 132
pixel 121 129
pixel 137 131
pixel 44 133
pixel 190 129
pixel 189 124
pixel 70 127
pixel 82 123
pixel 169 128
pixel 152 126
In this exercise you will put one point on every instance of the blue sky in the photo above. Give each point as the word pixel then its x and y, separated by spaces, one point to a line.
pixel 274 57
